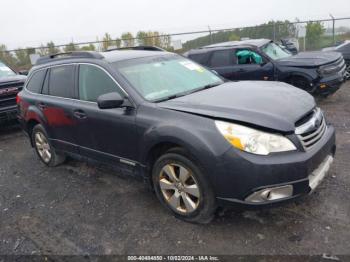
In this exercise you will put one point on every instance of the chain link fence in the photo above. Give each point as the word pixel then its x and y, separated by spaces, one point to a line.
pixel 306 35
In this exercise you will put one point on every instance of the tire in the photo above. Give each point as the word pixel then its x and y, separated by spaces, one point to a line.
pixel 53 158
pixel 178 194
pixel 302 83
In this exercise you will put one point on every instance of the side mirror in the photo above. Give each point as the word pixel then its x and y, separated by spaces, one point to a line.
pixel 23 72
pixel 110 100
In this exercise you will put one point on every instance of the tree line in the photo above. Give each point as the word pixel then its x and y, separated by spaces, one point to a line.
pixel 315 39
pixel 270 30
pixel 20 58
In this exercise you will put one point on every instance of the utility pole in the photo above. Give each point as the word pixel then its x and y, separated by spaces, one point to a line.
pixel 333 31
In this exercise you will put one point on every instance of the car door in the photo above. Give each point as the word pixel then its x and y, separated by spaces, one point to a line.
pixel 108 135
pixel 222 61
pixel 252 70
pixel 55 103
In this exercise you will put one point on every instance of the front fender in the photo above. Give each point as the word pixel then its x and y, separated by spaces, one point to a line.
pixel 197 145
pixel 286 73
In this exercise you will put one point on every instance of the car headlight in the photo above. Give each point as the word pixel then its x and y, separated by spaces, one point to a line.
pixel 252 140
pixel 326 70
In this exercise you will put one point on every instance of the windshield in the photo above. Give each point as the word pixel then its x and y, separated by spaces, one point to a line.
pixel 161 77
pixel 275 52
pixel 5 71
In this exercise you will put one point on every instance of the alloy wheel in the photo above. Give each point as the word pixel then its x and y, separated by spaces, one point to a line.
pixel 43 147
pixel 179 188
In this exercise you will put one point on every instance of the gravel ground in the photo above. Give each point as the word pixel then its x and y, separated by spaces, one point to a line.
pixel 80 209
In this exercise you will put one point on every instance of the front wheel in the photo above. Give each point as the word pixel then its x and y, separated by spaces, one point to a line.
pixel 302 83
pixel 182 188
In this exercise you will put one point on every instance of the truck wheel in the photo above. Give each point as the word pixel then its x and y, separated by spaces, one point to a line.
pixel 302 83
pixel 44 149
pixel 182 188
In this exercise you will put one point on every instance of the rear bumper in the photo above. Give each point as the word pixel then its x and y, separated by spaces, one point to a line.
pixel 8 113
pixel 246 174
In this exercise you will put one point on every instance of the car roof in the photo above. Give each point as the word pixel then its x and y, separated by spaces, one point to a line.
pixel 226 45
pixel 121 55
pixel 108 56
pixel 253 42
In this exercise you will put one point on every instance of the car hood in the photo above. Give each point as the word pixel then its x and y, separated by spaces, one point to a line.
pixel 273 105
pixel 12 79
pixel 310 59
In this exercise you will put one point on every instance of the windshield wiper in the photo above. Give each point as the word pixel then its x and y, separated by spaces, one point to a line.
pixel 186 93
pixel 204 87
pixel 168 98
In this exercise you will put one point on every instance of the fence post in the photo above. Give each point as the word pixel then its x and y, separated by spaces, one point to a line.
pixel 211 36
pixel 333 29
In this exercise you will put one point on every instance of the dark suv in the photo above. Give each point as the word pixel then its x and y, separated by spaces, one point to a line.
pixel 319 73
pixel 199 141
pixel 10 84
pixel 344 49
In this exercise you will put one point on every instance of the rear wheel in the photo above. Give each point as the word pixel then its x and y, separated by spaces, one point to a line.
pixel 182 187
pixel 44 149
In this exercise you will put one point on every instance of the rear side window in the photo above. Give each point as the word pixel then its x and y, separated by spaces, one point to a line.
pixel 36 81
pixel 200 58
pixel 61 81
pixel 221 58
pixel 94 82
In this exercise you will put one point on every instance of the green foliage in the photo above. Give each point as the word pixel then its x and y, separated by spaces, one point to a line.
pixel 233 37
pixel 70 47
pixel 7 57
pixel 118 42
pixel 314 32
pixel 22 57
pixel 128 39
pixel 154 38
pixel 51 49
pixel 107 41
pixel 89 47
pixel 277 29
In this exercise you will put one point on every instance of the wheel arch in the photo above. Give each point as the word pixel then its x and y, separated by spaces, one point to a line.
pixel 33 117
pixel 156 145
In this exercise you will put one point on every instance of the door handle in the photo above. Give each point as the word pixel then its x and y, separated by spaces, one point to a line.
pixel 41 105
pixel 79 114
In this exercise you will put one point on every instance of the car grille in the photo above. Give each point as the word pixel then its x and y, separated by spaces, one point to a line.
pixel 337 66
pixel 8 93
pixel 311 131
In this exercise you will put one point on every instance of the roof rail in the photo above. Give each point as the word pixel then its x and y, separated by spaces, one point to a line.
pixel 140 47
pixel 68 55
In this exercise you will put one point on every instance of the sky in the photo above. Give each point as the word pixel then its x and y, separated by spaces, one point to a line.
pixel 26 23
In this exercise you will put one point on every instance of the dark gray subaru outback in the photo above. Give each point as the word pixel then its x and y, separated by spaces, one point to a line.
pixel 199 141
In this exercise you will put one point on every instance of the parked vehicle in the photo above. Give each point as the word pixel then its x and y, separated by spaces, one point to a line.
pixel 291 44
pixel 315 72
pixel 200 142
pixel 344 49
pixel 10 84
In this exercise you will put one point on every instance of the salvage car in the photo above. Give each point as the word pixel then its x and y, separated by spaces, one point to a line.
pixel 344 49
pixel 319 73
pixel 198 141
pixel 10 84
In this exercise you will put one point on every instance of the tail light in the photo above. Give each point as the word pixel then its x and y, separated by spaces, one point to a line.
pixel 18 99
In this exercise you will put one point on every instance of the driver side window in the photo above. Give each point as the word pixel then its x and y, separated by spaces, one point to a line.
pixel 246 57
pixel 94 82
